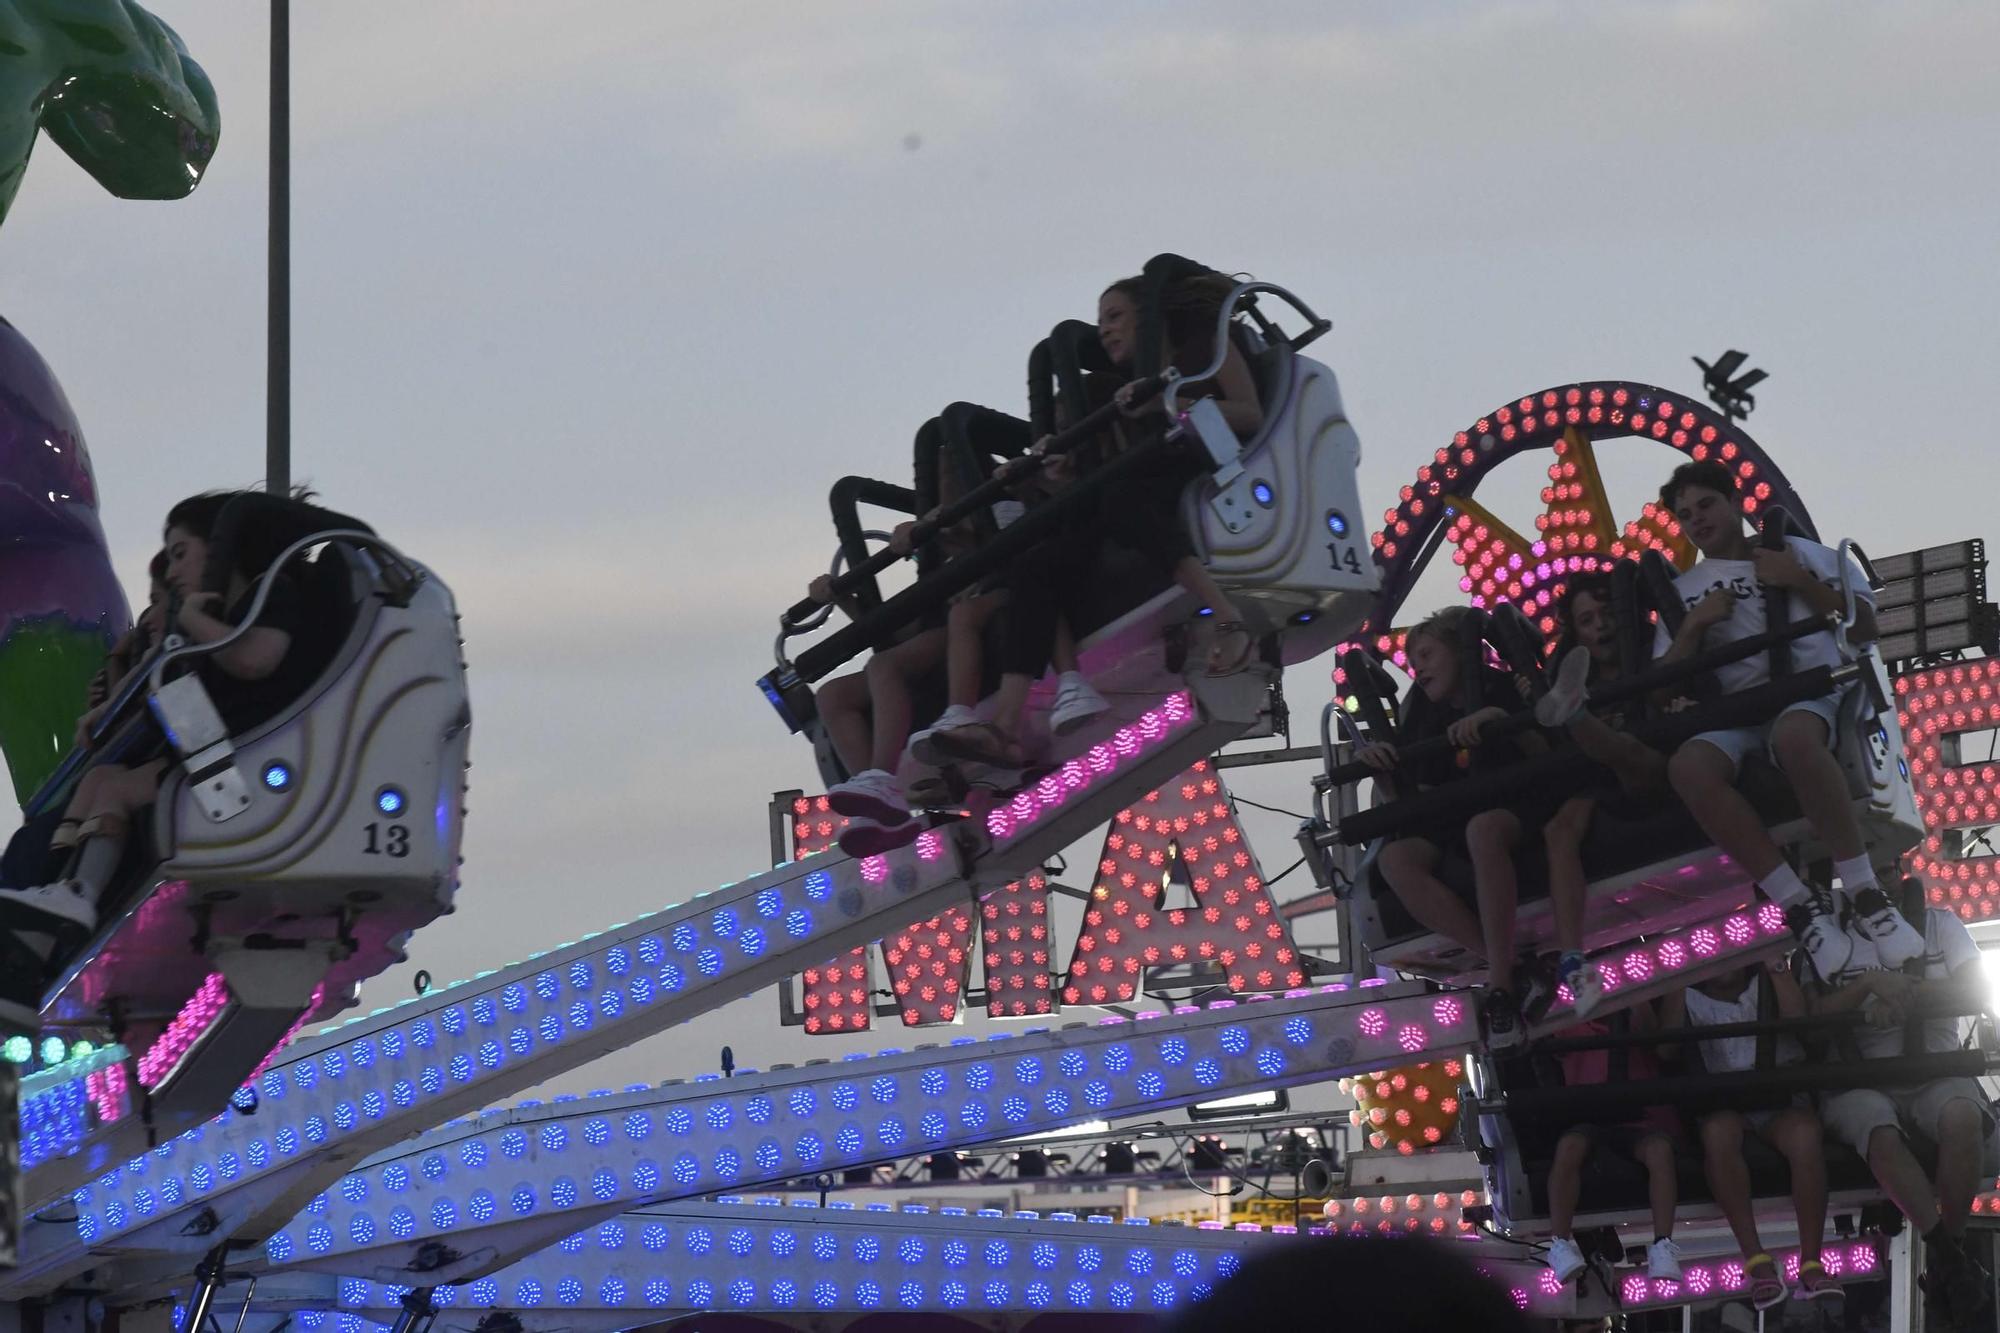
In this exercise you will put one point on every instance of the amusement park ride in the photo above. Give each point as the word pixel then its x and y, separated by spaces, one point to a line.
pixel 191 1143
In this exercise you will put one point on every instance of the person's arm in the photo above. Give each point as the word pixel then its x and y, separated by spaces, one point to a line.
pixel 1891 988
pixel 1236 395
pixel 253 656
pixel 1710 611
pixel 1785 569
pixel 1785 989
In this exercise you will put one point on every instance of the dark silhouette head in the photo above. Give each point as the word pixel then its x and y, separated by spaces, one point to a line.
pixel 1382 1284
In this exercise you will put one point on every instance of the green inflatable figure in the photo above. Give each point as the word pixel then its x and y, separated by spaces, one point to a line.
pixel 115 89
pixel 113 86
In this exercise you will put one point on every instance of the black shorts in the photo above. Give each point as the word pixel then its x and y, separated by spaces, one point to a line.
pixel 1623 1140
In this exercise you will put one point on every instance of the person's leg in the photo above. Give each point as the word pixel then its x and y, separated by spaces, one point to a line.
pixel 1960 1131
pixel 1410 867
pixel 1729 1177
pixel 965 655
pixel 843 709
pixel 1704 777
pixel 1491 836
pixel 1799 742
pixel 1562 839
pixel 889 674
pixel 1796 1133
pixel 1902 1178
pixel 1656 1154
pixel 1636 765
pixel 1063 655
pixel 1566 1181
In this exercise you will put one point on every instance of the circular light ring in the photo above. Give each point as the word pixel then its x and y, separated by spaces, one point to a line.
pixel 391 801
pixel 277 776
pixel 1261 492
pixel 1505 432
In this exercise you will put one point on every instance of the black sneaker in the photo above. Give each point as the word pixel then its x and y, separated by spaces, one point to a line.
pixel 1538 986
pixel 1954 1281
pixel 1502 1021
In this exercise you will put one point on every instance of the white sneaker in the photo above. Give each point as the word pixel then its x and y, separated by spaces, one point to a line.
pixel 1830 948
pixel 1565 698
pixel 871 794
pixel 1663 1260
pixel 1896 941
pixel 1564 1258
pixel 1586 988
pixel 62 906
pixel 923 745
pixel 1076 704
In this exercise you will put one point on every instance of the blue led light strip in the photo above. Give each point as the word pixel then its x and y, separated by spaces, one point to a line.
pixel 56 1114
pixel 514 1181
pixel 374 1080
pixel 639 1267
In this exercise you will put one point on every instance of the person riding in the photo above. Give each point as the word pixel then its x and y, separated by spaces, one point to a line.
pixel 1589 656
pixel 1955 1114
pixel 1723 595
pixel 257 674
pixel 1739 996
pixel 1050 584
pixel 1443 703
pixel 1652 1138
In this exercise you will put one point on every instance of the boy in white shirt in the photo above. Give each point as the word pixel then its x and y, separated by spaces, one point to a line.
pixel 1724 597
pixel 1954 1113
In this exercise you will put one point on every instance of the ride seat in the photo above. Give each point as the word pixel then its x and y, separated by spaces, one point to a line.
pixel 1614 1187
pixel 1280 524
pixel 350 837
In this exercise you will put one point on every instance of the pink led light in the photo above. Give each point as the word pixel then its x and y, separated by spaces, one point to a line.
pixel 1639 965
pixel 1738 930
pixel 1833 1261
pixel 1447 1011
pixel 1673 955
pixel 1704 942
pixel 1861 1259
pixel 875 869
pixel 1664 1290
pixel 1699 1278
pixel 1609 977
pixel 1771 919
pixel 1373 1022
pixel 1731 1276
pixel 999 823
pixel 930 846
pixel 194 1020
pixel 1520 1296
pixel 1412 1037
pixel 1550 1284
pixel 109 1094
pixel 1634 1288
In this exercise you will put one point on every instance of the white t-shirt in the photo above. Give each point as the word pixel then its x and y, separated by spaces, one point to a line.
pixel 1726 1055
pixel 1747 619
pixel 1948 947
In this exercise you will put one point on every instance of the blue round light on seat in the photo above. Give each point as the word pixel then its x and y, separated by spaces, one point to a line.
pixel 1336 522
pixel 390 801
pixel 277 775
pixel 1263 494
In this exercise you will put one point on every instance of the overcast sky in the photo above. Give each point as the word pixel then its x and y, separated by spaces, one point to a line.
pixel 594 300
